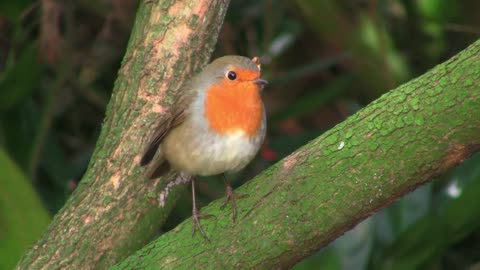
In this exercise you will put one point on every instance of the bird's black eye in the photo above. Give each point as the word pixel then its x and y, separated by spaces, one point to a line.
pixel 231 75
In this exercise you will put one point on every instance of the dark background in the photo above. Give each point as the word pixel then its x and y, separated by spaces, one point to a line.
pixel 325 60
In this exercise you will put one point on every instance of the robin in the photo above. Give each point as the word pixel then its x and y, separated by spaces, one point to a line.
pixel 217 125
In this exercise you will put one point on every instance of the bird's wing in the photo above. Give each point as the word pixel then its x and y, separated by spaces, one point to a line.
pixel 179 114
pixel 161 131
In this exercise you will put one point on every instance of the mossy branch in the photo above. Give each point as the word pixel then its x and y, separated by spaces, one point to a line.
pixel 400 141
pixel 114 210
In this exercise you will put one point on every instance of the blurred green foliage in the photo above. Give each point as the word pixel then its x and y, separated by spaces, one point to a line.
pixel 22 215
pixel 325 60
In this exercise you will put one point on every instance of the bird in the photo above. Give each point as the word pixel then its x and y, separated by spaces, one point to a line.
pixel 216 126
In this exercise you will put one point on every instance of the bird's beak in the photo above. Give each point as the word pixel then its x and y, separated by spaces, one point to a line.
pixel 260 82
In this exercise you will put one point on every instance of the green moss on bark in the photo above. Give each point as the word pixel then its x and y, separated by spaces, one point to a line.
pixel 400 141
pixel 108 217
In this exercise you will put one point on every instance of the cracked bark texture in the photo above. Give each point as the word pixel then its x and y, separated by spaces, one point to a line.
pixel 115 210
pixel 400 141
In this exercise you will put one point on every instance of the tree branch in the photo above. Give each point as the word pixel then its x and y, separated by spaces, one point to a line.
pixel 115 210
pixel 400 141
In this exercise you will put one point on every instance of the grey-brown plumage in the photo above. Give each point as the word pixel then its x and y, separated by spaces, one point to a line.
pixel 187 139
pixel 217 125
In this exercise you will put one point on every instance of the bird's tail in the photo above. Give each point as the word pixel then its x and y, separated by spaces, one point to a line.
pixel 158 168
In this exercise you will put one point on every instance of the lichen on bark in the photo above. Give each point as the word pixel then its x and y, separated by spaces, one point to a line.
pixel 398 142
pixel 114 210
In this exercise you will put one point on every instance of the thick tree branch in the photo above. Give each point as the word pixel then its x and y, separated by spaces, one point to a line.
pixel 400 141
pixel 115 210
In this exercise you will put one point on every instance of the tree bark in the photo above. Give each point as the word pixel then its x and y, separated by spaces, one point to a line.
pixel 397 143
pixel 115 210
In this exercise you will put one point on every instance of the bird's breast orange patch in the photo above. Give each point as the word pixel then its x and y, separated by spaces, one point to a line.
pixel 234 105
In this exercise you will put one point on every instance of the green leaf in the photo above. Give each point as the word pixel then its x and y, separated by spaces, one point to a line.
pixel 20 79
pixel 325 260
pixel 442 11
pixel 12 10
pixel 461 216
pixel 17 128
pixel 309 103
pixel 454 218
pixel 354 247
pixel 22 215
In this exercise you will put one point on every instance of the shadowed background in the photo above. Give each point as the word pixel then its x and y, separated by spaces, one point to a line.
pixel 325 60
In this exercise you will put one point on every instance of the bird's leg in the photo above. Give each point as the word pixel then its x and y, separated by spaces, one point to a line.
pixel 195 215
pixel 231 196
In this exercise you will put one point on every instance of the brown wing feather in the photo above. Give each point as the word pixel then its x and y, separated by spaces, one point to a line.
pixel 160 166
pixel 161 131
pixel 180 112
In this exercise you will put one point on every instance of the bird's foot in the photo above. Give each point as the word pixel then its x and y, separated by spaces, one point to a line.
pixel 196 222
pixel 231 197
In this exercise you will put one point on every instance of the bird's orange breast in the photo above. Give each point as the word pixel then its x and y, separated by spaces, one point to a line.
pixel 233 106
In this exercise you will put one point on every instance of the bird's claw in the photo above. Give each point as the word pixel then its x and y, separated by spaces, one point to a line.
pixel 230 197
pixel 196 222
